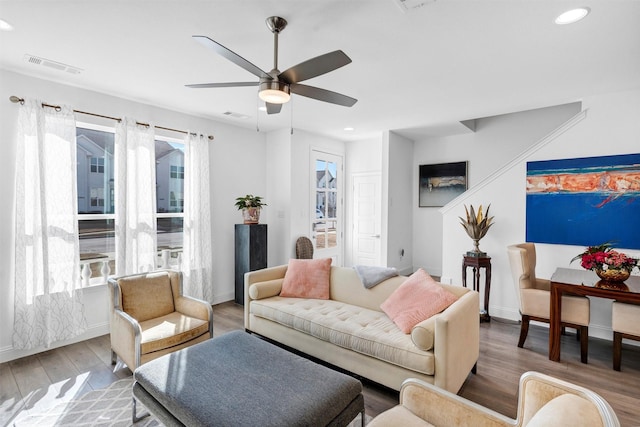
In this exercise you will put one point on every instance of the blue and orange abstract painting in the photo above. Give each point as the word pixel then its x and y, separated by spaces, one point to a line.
pixel 585 201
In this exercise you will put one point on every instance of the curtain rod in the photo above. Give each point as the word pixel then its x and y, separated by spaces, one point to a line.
pixel 16 100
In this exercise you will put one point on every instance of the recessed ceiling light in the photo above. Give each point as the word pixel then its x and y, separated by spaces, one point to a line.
pixel 349 129
pixel 5 26
pixel 573 15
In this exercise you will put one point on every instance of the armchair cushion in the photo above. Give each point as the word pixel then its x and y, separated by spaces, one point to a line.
pixel 170 330
pixel 146 297
pixel 564 410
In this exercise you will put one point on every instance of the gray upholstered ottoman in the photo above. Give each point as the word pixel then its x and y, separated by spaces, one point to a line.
pixel 240 380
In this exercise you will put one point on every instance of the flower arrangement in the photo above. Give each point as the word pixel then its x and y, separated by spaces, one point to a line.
pixel 604 257
pixel 476 225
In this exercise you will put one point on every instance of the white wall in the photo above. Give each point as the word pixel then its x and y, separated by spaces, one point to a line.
pixel 608 125
pixel 399 200
pixel 495 142
pixel 237 167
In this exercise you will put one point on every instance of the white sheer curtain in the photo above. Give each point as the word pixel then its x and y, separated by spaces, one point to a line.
pixel 135 198
pixel 197 261
pixel 48 295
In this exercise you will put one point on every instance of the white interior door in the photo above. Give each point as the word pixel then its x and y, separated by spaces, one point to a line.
pixel 327 206
pixel 367 219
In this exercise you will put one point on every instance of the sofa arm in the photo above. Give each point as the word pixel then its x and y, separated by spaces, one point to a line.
pixel 263 275
pixel 267 289
pixel 457 341
pixel 196 308
pixel 125 336
pixel 442 408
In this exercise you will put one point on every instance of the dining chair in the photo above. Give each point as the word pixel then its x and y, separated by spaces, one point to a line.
pixel 625 322
pixel 534 298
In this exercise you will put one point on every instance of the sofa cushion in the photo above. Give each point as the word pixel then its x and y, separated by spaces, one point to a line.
pixel 417 299
pixel 170 330
pixel 355 328
pixel 564 410
pixel 147 296
pixel 398 416
pixel 307 278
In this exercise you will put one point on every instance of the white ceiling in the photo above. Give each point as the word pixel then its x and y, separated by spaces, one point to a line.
pixel 417 72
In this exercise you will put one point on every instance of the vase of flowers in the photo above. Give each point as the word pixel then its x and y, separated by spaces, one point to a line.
pixel 250 206
pixel 476 225
pixel 609 264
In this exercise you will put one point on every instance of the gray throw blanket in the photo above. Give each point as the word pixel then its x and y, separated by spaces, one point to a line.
pixel 372 275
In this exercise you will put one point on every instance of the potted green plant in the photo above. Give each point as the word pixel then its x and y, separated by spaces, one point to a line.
pixel 250 206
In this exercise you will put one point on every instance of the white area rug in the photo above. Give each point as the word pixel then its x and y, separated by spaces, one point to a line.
pixel 109 407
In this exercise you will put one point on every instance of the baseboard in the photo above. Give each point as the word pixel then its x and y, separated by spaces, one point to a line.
pixel 8 353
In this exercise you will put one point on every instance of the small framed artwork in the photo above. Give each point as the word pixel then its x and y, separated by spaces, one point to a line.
pixel 440 183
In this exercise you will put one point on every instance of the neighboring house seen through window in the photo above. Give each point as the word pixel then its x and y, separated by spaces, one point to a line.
pixel 96 185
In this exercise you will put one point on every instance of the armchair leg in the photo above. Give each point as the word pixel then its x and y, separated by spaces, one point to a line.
pixel 134 416
pixel 524 330
pixel 617 350
pixel 584 343
pixel 114 357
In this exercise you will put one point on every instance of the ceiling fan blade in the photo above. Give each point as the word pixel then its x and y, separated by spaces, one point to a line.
pixel 273 108
pixel 229 84
pixel 323 95
pixel 315 67
pixel 230 55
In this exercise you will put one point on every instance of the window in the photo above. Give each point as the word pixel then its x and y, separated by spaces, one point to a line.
pixel 95 179
pixel 170 194
pixel 326 203
pixel 96 186
pixel 97 164
pixel 177 172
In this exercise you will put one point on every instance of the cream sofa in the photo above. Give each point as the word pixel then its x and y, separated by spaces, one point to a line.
pixel 351 332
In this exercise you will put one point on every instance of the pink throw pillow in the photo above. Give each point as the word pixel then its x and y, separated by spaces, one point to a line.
pixel 415 300
pixel 307 278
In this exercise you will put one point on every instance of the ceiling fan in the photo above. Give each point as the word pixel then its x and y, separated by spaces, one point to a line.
pixel 275 87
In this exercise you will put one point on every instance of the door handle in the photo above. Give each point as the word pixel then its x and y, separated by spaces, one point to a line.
pixel 376 236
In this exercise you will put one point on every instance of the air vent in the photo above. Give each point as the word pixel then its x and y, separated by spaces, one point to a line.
pixel 408 5
pixel 52 64
pixel 235 115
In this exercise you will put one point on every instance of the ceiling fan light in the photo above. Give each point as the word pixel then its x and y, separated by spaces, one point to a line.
pixel 573 15
pixel 274 92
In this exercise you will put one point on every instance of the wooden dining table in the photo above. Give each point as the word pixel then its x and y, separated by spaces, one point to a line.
pixel 586 283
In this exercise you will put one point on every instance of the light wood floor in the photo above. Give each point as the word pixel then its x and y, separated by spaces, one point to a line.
pixel 40 381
